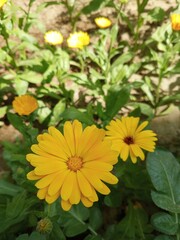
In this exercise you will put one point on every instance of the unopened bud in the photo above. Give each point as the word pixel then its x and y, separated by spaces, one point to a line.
pixel 44 225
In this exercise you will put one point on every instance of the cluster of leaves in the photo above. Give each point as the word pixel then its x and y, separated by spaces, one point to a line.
pixel 93 85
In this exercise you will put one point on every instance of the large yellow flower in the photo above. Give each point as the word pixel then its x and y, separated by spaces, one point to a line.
pixel 175 21
pixel 25 104
pixel 72 166
pixel 2 2
pixel 53 37
pixel 129 139
pixel 103 22
pixel 78 40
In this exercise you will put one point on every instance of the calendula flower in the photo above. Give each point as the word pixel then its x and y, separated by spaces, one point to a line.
pixel 25 104
pixel 78 40
pixel 72 166
pixel 103 22
pixel 175 21
pixel 129 139
pixel 53 37
pixel 2 2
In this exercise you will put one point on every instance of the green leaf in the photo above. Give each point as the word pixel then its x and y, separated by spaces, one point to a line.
pixel 73 113
pixel 20 86
pixel 124 58
pixel 116 98
pixel 92 237
pixel 17 122
pixel 74 220
pixel 165 223
pixel 134 225
pixel 164 171
pixel 163 237
pixel 9 188
pixel 3 111
pixel 92 6
pixel 33 236
pixel 157 14
pixel 58 109
pixel 95 218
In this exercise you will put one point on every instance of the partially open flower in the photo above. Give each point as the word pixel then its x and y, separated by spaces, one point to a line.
pixel 2 2
pixel 25 104
pixel 78 40
pixel 53 37
pixel 103 22
pixel 175 21
pixel 74 165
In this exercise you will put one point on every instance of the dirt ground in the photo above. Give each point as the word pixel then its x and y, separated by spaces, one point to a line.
pixel 55 17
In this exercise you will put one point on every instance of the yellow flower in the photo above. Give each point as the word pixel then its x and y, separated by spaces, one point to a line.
pixel 25 104
pixel 103 22
pixel 78 40
pixel 72 166
pixel 129 139
pixel 175 21
pixel 53 37
pixel 2 2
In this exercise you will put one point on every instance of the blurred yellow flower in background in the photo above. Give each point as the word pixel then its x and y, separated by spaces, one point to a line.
pixel 128 138
pixel 78 40
pixel 25 104
pixel 72 166
pixel 103 22
pixel 2 2
pixel 175 21
pixel 53 37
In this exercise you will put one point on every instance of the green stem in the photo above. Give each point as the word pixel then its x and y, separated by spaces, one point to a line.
pixel 27 16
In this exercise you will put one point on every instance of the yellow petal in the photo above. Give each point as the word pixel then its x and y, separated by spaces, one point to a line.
pixel 101 166
pixel 56 134
pixel 133 157
pixel 49 168
pixel 67 186
pixel 66 205
pixel 86 202
pixel 56 184
pixel 77 128
pixel 137 151
pixel 45 181
pixel 32 176
pixel 36 149
pixel 84 184
pixel 124 152
pixel 41 194
pixel 69 137
pixel 51 199
pixel 106 177
pixel 52 149
pixel 95 181
pixel 141 127
pixel 75 195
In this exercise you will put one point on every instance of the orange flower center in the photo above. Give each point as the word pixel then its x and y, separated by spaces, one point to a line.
pixel 129 140
pixel 75 163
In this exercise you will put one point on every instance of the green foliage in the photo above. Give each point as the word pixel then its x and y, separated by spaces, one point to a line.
pixel 164 171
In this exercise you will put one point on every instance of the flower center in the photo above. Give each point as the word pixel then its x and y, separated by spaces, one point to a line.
pixel 129 140
pixel 74 163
